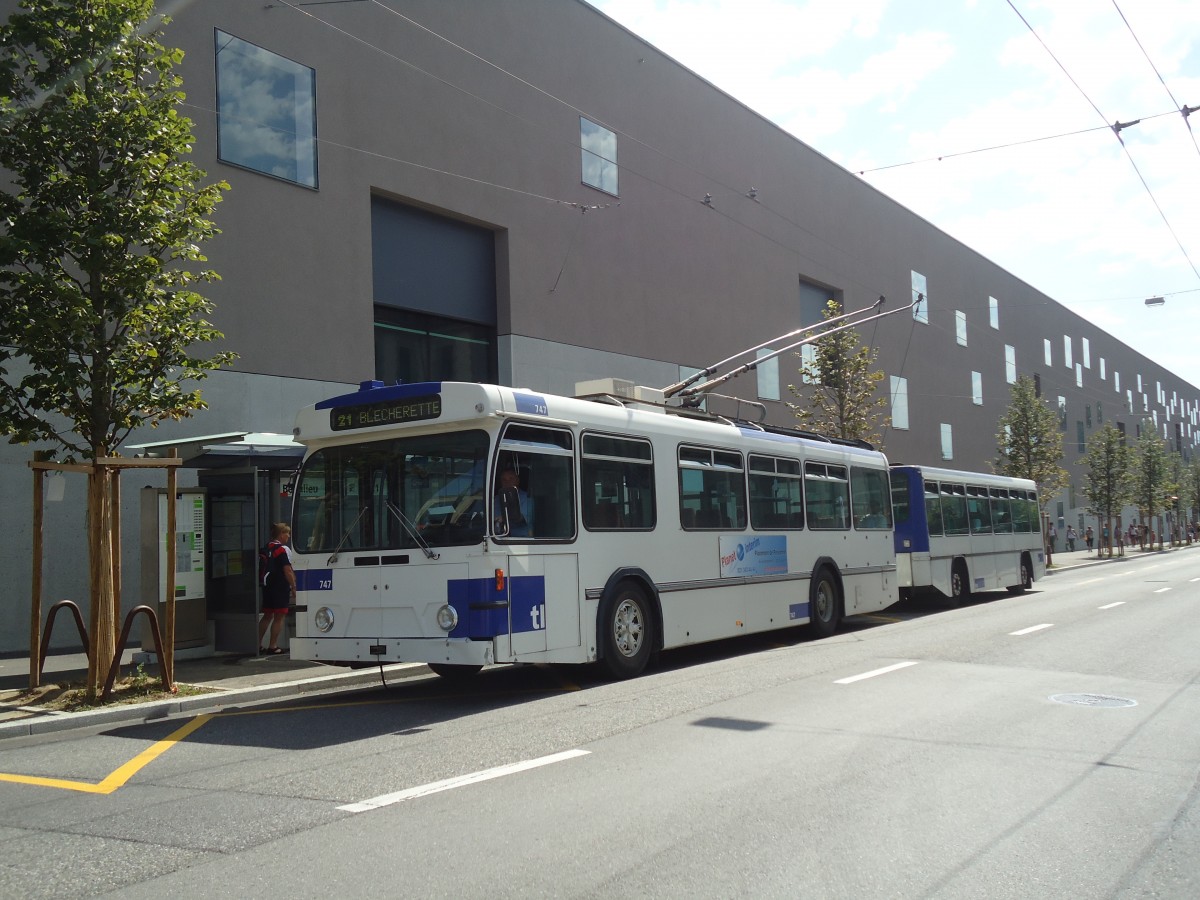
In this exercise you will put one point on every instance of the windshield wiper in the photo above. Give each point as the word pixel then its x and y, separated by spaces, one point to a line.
pixel 346 536
pixel 412 531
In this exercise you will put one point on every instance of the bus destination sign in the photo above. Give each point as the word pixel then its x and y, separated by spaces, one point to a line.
pixel 385 412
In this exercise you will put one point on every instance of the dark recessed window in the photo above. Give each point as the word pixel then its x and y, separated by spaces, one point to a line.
pixel 412 346
pixel 266 111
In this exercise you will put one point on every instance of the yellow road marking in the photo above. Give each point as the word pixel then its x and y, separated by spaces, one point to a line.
pixel 120 775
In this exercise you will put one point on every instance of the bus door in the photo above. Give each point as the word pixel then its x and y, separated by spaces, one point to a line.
pixel 543 603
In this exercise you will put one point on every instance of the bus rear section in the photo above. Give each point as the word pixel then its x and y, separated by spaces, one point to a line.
pixel 963 532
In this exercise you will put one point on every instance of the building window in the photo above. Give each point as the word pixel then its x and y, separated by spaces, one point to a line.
pixel 1049 357
pixel 1139 387
pixel 900 403
pixel 920 288
pixel 947 441
pixel 1087 353
pixel 1037 385
pixel 1067 359
pixel 1010 364
pixel 993 312
pixel 1080 439
pixel 1116 381
pixel 960 327
pixel 1078 375
pixel 599 151
pixel 412 346
pixel 1087 416
pixel 1062 413
pixel 768 375
pixel 266 111
pixel 1102 375
pixel 1099 413
pixel 977 388
pixel 1129 400
pixel 809 372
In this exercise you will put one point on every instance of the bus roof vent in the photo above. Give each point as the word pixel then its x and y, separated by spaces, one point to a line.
pixel 613 387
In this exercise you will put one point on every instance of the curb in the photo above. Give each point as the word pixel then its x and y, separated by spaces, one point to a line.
pixel 219 699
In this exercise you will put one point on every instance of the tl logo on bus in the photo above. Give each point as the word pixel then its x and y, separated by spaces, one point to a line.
pixel 537 617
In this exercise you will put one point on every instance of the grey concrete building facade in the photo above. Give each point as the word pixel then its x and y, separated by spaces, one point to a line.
pixel 525 191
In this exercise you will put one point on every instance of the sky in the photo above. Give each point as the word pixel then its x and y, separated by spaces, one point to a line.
pixel 887 87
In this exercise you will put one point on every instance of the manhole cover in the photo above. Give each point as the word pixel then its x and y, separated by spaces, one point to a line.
pixel 1092 700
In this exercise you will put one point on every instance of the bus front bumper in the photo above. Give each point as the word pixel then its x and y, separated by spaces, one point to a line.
pixel 357 651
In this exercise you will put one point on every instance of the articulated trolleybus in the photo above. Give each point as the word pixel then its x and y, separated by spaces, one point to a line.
pixel 960 532
pixel 461 525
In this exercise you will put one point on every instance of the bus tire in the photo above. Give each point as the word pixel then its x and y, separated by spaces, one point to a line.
pixel 626 630
pixel 824 604
pixel 1026 576
pixel 960 584
pixel 452 672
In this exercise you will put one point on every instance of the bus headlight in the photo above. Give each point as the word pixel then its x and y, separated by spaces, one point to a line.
pixel 323 619
pixel 447 618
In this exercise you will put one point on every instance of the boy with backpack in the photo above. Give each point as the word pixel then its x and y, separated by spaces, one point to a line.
pixel 278 581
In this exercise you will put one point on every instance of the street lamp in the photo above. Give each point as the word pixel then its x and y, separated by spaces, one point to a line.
pixel 1155 301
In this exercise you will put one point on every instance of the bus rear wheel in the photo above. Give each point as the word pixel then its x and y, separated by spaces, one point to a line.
pixel 627 631
pixel 1026 577
pixel 960 586
pixel 824 604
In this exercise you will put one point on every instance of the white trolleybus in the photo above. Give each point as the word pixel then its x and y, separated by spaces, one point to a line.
pixel 960 532
pixel 461 525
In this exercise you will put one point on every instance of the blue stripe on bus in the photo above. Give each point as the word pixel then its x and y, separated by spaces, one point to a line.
pixel 372 391
pixel 526 596
pixel 797 611
pixel 314 580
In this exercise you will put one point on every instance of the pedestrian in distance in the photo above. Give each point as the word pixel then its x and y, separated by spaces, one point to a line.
pixel 1088 537
pixel 278 586
pixel 1071 536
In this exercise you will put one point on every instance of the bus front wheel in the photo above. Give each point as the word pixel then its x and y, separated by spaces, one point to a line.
pixel 824 604
pixel 627 631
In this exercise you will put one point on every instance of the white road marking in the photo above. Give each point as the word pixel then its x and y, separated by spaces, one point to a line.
pixel 874 672
pixel 1111 605
pixel 1031 630
pixel 460 781
pixel 1162 590
pixel 1195 579
pixel 1089 581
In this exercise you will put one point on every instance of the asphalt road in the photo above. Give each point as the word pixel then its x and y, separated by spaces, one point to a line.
pixel 1045 745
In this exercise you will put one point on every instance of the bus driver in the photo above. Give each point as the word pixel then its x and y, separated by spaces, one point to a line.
pixel 514 513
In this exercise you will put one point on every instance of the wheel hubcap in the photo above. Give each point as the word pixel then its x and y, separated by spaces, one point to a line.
pixel 627 628
pixel 824 602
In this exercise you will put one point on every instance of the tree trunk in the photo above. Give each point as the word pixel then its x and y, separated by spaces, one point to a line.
pixel 103 631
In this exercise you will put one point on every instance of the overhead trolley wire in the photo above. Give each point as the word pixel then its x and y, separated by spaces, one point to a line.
pixel 1117 127
pixel 1184 110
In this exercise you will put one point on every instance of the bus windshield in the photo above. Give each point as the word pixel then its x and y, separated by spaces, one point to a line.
pixel 356 496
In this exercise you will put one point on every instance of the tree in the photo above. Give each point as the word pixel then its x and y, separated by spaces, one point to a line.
pixel 102 222
pixel 1151 474
pixel 1029 443
pixel 1189 489
pixel 1106 484
pixel 842 393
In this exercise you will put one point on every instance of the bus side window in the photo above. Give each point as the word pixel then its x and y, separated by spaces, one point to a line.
pixel 542 461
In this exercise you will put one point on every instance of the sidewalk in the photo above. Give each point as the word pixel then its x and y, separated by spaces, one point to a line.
pixel 231 681
pixel 1082 557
